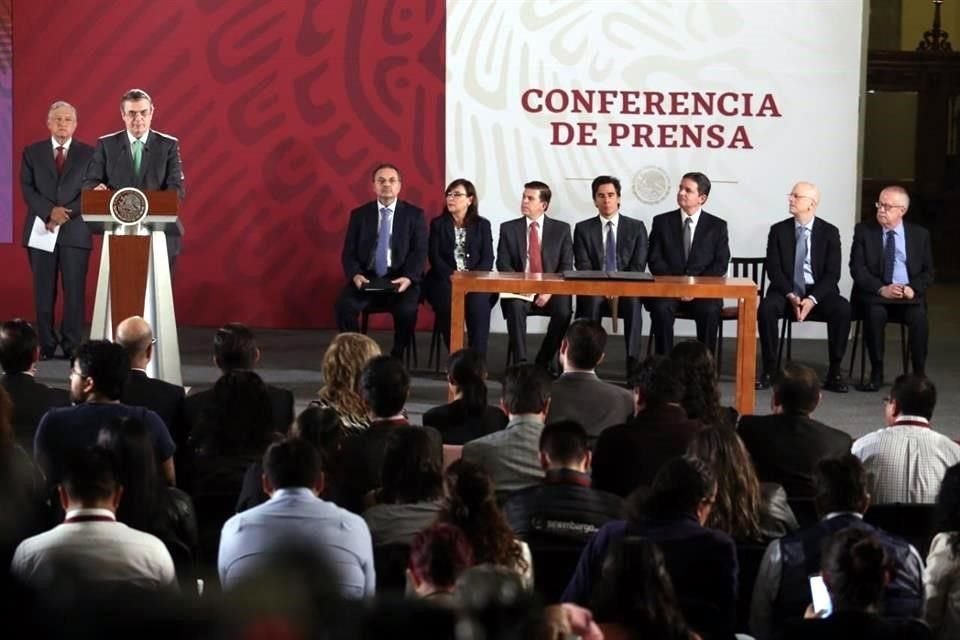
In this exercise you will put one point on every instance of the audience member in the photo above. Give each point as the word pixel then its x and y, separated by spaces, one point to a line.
pixel 702 384
pixel 342 363
pixel 563 506
pixel 98 372
pixel 907 459
pixel 296 515
pixel 438 557
pixel 746 509
pixel 19 354
pixel 782 591
pixel 91 547
pixel 471 505
pixel 628 456
pixel 510 456
pixel 578 394
pixel 787 445
pixel 701 562
pixel 469 416
pixel 411 488
pixel 942 601
pixel 136 336
pixel 856 570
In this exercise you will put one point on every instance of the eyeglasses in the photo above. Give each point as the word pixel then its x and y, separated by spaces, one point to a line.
pixel 387 180
pixel 455 194
pixel 797 196
pixel 883 206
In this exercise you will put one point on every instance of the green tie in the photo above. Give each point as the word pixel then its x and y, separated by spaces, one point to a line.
pixel 137 152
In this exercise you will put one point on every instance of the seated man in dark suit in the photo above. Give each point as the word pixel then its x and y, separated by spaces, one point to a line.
pixel 803 265
pixel 384 256
pixel 563 506
pixel 787 445
pixel 688 242
pixel 234 349
pixel 535 244
pixel 19 353
pixel 136 336
pixel 612 241
pixel 892 267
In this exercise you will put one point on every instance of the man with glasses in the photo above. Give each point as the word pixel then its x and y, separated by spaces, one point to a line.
pixel 803 266
pixel 138 157
pixel 384 255
pixel 892 266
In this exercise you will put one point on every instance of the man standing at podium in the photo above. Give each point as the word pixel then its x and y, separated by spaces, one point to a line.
pixel 50 176
pixel 138 157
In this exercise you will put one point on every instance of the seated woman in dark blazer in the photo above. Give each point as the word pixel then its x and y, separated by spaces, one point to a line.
pixel 469 416
pixel 460 240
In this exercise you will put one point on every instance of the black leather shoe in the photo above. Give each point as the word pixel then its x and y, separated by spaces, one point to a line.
pixel 871 387
pixel 836 384
pixel 763 382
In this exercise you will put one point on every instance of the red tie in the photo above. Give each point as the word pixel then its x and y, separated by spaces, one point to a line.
pixel 533 244
pixel 59 160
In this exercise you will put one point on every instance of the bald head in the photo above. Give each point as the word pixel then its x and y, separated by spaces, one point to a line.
pixel 804 198
pixel 136 337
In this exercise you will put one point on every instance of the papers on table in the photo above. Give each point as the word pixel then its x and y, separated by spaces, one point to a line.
pixel 42 239
pixel 519 296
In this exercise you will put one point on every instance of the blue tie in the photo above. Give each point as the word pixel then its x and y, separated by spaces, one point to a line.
pixel 800 256
pixel 383 243
pixel 889 257
pixel 610 250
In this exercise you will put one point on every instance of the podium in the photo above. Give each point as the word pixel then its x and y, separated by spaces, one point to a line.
pixel 134 277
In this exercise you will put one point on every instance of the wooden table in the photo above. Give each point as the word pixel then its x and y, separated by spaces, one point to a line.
pixel 743 289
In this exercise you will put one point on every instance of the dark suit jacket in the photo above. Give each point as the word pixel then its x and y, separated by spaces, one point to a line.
pixel 786 449
pixel 43 189
pixel 408 242
pixel 824 258
pixel 631 244
pixel 479 247
pixel 458 427
pixel 281 405
pixel 31 399
pixel 709 253
pixel 556 248
pixel 160 167
pixel 866 260
pixel 589 401
pixel 167 400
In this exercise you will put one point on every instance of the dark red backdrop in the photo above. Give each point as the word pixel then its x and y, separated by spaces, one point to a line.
pixel 282 108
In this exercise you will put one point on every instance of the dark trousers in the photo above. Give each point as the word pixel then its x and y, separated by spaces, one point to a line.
pixel 875 317
pixel 402 306
pixel 630 310
pixel 834 310
pixel 71 264
pixel 477 312
pixel 704 311
pixel 515 312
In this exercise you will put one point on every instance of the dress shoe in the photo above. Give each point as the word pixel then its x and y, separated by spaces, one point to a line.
pixel 763 382
pixel 836 384
pixel 872 386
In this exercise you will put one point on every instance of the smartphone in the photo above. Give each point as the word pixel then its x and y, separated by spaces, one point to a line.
pixel 820 595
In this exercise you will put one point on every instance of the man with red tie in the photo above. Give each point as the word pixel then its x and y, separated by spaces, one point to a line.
pixel 535 244
pixel 51 175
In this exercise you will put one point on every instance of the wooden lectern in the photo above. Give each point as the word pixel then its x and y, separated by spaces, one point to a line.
pixel 134 277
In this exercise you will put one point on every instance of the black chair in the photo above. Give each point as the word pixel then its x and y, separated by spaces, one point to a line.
pixel 756 270
pixel 376 306
pixel 554 561
pixel 859 341
pixel 390 563
pixel 915 523
pixel 749 557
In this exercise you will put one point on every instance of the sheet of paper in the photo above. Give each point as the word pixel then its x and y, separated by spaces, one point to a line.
pixel 519 296
pixel 42 239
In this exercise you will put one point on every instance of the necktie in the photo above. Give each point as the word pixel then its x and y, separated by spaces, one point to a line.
pixel 137 155
pixel 610 250
pixel 800 256
pixel 889 257
pixel 59 160
pixel 383 243
pixel 687 237
pixel 533 249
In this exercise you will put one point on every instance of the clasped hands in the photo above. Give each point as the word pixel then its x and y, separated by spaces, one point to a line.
pixel 897 292
pixel 58 216
pixel 801 306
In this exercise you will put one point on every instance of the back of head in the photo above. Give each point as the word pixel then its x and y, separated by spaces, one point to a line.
pixel 135 336
pixel 565 443
pixel 321 427
pixel 18 343
pixel 234 347
pixel 384 386
pixel 292 463
pixel 736 510
pixel 90 476
pixel 679 487
pixel 439 554
pixel 797 390
pixel 526 389
pixel 130 443
pixel 106 363
pixel 856 569
pixel 665 384
pixel 342 363
pixel 586 340
pixel 240 420
pixel 914 396
pixel 410 471
pixel 841 485
pixel 702 397
pixel 468 373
